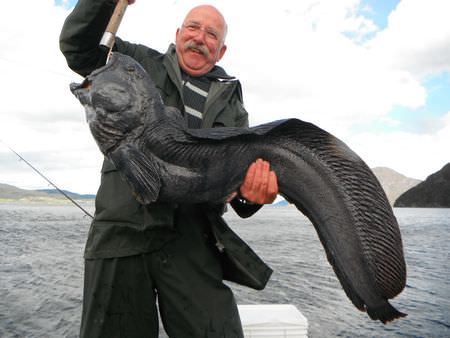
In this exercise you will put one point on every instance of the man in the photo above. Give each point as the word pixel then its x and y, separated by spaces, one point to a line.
pixel 175 254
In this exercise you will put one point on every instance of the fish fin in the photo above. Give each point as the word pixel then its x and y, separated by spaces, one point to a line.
pixel 223 133
pixel 139 170
pixel 385 313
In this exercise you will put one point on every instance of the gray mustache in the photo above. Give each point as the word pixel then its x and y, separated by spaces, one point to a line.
pixel 201 48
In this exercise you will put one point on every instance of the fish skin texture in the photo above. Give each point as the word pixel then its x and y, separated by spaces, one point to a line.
pixel 161 159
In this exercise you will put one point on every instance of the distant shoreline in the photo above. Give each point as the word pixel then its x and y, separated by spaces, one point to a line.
pixel 45 200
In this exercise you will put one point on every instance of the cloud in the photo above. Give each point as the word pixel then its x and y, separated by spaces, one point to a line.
pixel 321 61
pixel 39 118
pixel 417 38
pixel 405 152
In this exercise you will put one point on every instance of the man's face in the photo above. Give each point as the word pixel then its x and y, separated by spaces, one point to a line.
pixel 200 40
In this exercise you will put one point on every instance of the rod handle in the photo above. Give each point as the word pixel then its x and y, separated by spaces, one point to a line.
pixel 108 37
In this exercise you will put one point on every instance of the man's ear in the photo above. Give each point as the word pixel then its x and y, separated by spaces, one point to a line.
pixel 222 52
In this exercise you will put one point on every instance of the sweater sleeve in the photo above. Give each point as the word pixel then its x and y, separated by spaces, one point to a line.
pixel 81 34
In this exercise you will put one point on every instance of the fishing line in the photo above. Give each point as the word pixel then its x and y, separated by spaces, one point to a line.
pixel 45 178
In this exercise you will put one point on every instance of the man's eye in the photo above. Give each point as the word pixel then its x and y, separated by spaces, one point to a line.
pixel 212 35
pixel 193 27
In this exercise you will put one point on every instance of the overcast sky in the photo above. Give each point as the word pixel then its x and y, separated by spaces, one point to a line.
pixel 376 74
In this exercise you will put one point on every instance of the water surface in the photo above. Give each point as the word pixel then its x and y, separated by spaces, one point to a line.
pixel 41 272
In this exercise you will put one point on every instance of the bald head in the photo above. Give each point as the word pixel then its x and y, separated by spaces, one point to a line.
pixel 200 41
pixel 211 11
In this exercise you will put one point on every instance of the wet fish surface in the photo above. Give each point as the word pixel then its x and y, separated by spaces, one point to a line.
pixel 163 160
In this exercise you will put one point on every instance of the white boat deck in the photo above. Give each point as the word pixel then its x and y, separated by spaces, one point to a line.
pixel 273 321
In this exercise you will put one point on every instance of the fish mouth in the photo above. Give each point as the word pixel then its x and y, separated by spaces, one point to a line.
pixel 86 85
pixel 75 87
pixel 82 93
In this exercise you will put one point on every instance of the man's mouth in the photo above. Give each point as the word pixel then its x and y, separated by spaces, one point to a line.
pixel 195 50
pixel 198 49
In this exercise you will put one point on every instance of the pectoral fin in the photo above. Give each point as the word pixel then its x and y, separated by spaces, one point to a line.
pixel 139 170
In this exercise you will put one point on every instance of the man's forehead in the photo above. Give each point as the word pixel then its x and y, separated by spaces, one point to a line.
pixel 205 15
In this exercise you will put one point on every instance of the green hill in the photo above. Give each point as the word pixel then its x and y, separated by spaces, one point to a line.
pixel 434 192
pixel 12 193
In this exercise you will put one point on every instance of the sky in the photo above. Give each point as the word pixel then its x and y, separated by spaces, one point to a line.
pixel 376 74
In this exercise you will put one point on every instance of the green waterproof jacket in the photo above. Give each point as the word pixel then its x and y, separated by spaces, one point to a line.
pixel 121 226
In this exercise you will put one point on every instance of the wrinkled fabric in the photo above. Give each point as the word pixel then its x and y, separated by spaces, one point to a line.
pixel 119 298
pixel 133 250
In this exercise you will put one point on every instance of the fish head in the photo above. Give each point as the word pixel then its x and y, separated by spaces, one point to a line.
pixel 82 93
pixel 116 98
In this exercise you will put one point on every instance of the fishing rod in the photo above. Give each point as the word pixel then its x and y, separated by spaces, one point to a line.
pixel 107 42
pixel 45 178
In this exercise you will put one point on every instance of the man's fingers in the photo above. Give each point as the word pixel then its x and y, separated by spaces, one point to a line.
pixel 272 189
pixel 249 177
pixel 260 184
pixel 263 182
pixel 254 189
pixel 247 186
pixel 257 180
pixel 265 172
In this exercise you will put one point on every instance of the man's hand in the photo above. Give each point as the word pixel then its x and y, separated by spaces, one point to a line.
pixel 260 185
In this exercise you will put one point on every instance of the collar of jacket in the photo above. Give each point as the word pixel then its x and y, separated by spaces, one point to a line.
pixel 222 87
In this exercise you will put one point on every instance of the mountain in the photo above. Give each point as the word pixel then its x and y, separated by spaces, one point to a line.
pixel 434 192
pixel 73 195
pixel 393 183
pixel 9 192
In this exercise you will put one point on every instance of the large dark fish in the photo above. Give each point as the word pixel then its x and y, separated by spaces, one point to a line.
pixel 163 160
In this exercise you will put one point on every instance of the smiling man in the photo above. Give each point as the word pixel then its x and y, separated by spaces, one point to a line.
pixel 200 42
pixel 173 255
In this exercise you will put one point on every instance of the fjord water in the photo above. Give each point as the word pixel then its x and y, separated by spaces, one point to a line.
pixel 41 272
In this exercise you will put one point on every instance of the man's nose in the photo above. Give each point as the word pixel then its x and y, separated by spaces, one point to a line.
pixel 200 36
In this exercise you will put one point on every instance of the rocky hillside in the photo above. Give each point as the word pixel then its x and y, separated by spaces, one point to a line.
pixel 393 183
pixel 434 192
pixel 11 193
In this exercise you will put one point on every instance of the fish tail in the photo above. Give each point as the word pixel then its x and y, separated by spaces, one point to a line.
pixel 385 313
